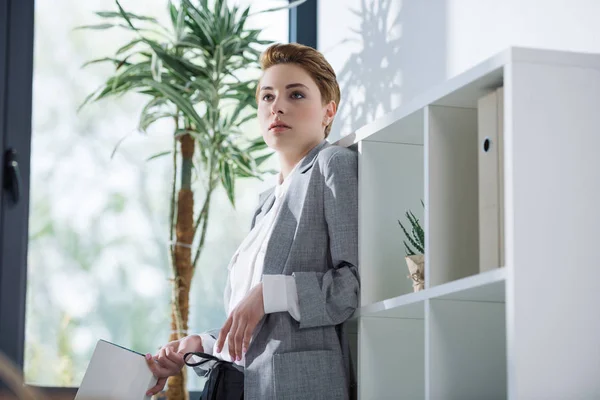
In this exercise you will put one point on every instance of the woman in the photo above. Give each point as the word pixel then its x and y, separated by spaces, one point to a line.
pixel 294 279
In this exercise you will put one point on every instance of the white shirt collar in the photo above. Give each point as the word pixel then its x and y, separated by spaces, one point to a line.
pixel 281 187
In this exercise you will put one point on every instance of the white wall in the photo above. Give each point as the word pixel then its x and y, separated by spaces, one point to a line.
pixel 387 51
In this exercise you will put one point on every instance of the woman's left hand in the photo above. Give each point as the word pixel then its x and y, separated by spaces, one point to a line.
pixel 241 323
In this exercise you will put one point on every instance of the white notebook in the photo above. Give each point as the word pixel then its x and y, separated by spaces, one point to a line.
pixel 490 117
pixel 115 373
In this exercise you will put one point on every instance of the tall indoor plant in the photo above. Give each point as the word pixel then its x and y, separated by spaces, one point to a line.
pixel 190 73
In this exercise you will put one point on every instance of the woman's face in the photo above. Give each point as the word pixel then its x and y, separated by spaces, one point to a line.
pixel 290 111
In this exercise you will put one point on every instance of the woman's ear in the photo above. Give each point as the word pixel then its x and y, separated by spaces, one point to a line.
pixel 330 111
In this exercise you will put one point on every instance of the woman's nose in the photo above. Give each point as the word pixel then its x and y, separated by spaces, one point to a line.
pixel 276 108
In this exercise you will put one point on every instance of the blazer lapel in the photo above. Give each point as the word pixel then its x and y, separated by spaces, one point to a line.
pixel 265 202
pixel 284 229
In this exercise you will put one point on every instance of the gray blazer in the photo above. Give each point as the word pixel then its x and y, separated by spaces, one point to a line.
pixel 314 239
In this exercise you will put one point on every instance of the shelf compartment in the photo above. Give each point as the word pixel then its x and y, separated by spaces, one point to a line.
pixel 391 358
pixel 451 195
pixel 391 182
pixel 466 350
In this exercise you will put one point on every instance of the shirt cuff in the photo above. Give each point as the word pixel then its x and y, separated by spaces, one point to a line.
pixel 280 295
pixel 208 344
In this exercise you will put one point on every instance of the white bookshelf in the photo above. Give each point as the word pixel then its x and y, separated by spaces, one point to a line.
pixel 529 329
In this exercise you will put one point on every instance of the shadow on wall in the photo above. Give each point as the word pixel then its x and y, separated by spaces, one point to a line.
pixel 399 50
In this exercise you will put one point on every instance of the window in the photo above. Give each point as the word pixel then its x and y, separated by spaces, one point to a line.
pixel 98 265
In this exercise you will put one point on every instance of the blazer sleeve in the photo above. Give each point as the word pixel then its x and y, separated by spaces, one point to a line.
pixel 331 297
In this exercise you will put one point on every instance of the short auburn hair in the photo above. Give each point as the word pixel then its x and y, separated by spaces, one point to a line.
pixel 312 61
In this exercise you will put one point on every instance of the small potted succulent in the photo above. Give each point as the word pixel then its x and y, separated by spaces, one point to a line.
pixel 415 255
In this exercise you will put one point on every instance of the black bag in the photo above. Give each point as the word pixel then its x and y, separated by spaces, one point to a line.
pixel 225 380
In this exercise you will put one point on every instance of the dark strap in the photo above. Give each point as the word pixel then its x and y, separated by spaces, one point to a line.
pixel 206 358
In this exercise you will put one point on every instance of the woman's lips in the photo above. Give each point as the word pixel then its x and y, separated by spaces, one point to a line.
pixel 277 129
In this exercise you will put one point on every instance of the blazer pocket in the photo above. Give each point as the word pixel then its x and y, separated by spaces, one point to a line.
pixel 311 375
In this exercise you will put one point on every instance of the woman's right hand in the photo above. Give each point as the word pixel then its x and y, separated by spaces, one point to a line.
pixel 169 360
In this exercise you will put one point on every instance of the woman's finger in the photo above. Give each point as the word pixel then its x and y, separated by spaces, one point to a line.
pixel 174 357
pixel 156 369
pixel 247 336
pixel 167 364
pixel 223 334
pixel 160 384
pixel 231 339
pixel 239 338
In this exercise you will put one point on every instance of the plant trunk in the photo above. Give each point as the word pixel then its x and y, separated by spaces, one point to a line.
pixel 183 262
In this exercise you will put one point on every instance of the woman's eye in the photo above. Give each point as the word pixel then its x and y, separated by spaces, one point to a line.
pixel 297 95
pixel 267 97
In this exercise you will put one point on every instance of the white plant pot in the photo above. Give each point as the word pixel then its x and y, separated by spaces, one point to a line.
pixel 416 267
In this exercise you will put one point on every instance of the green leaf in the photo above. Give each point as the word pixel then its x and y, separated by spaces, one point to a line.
pixel 244 164
pixel 201 26
pixel 181 102
pixel 256 145
pixel 154 103
pixel 408 250
pixel 218 59
pixel 125 17
pixel 132 77
pixel 287 7
pixel 409 237
pixel 128 27
pixel 226 175
pixel 158 155
pixel 89 98
pixel 179 65
pixel 118 144
pixel 129 46
pixel 149 118
pixel 411 217
pixel 264 42
pixel 236 112
pixel 404 230
pixel 261 159
pixel 173 12
pixel 420 236
pixel 230 21
pixel 116 61
pixel 155 67
pixel 139 70
pixel 180 23
pixel 242 21
pixel 191 41
pixel 112 87
pixel 244 172
pixel 218 7
pixel 246 119
pixel 113 14
pixel 97 27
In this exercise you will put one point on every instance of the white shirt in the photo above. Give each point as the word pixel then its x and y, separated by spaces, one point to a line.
pixel 246 271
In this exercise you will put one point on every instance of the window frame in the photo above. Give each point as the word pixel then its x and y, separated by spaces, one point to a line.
pixel 16 74
pixel 303 24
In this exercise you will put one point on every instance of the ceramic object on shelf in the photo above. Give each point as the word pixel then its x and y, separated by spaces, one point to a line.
pixel 416 267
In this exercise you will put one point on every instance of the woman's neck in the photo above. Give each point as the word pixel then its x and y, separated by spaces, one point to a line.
pixel 289 160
